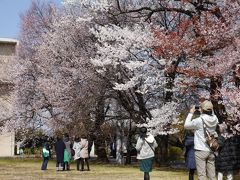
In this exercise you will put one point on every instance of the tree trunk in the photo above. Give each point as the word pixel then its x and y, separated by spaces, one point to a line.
pixel 97 134
pixel 162 156
pixel 129 144
pixel 170 75
pixel 119 142
pixel 219 109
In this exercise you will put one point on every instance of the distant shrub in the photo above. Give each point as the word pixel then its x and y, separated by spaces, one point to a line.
pixel 31 151
pixel 175 153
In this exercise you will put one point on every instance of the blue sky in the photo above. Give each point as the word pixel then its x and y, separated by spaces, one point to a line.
pixel 9 16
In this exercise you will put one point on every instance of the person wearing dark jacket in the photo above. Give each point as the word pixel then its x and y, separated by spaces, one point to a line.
pixel 227 160
pixel 59 149
pixel 190 154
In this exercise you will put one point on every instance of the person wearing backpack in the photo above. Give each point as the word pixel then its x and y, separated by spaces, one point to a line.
pixel 204 156
pixel 45 155
pixel 145 147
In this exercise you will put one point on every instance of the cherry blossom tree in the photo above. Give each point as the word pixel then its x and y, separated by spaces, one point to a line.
pixel 190 44
pixel 207 41
pixel 56 86
pixel 26 97
pixel 91 60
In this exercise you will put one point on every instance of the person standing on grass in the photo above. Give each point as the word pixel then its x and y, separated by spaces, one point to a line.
pixel 204 156
pixel 46 156
pixel 67 152
pixel 145 147
pixel 59 149
pixel 190 154
pixel 84 152
pixel 76 148
pixel 227 160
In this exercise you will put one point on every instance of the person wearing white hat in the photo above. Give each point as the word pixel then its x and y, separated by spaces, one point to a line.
pixel 145 147
pixel 204 156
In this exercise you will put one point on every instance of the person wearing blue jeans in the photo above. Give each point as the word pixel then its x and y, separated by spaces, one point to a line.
pixel 46 155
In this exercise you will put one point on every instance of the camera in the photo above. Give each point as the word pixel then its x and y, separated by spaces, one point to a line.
pixel 197 110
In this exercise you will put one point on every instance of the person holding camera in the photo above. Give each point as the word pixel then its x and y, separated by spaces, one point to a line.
pixel 145 147
pixel 206 122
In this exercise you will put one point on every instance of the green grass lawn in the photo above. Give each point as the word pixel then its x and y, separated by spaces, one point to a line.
pixel 29 169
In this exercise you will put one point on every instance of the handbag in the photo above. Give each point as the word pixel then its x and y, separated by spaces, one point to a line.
pixel 45 153
pixel 210 139
pixel 72 152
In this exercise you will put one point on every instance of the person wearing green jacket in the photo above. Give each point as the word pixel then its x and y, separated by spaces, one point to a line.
pixel 67 153
pixel 46 156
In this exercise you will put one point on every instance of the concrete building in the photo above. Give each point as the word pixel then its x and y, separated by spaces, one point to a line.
pixel 8 51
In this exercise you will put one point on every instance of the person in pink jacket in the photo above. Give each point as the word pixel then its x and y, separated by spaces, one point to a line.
pixel 84 155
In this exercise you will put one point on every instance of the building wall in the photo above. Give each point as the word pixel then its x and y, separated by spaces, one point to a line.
pixel 7 142
pixel 7 49
pixel 7 54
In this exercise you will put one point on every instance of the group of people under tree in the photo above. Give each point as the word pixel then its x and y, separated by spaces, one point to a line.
pixel 200 155
pixel 66 151
pixel 210 147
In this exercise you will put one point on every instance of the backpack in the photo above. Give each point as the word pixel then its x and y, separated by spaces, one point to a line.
pixel 72 152
pixel 45 153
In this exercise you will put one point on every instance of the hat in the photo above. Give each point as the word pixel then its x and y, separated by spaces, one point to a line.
pixel 207 105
